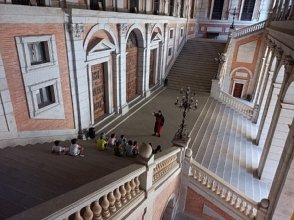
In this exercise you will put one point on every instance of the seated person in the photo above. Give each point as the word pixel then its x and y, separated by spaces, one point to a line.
pixel 156 150
pixel 122 139
pixel 56 148
pixel 75 149
pixel 111 141
pixel 101 143
pixel 119 150
pixel 129 148
pixel 136 148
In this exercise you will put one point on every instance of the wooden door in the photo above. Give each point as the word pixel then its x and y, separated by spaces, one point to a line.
pixel 132 73
pixel 98 93
pixel 152 69
pixel 238 90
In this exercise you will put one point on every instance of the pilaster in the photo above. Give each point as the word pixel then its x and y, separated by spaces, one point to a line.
pixel 122 31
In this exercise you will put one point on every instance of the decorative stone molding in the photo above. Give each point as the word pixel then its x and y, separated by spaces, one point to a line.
pixel 163 167
pixel 150 26
pixel 288 62
pixel 77 31
pixel 122 29
pixel 278 53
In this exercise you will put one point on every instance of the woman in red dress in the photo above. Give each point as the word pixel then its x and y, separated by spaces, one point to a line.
pixel 159 122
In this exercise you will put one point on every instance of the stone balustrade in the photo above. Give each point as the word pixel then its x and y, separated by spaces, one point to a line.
pixel 249 29
pixel 246 207
pixel 165 164
pixel 236 104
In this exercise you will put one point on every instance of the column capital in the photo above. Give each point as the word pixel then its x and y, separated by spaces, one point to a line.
pixel 288 62
pixel 278 53
pixel 77 31
pixel 149 27
pixel 122 29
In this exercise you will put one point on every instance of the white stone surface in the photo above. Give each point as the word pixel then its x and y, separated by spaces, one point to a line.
pixel 246 52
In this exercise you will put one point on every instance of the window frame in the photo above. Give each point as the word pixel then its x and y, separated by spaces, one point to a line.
pixel 51 48
pixel 171 33
pixel 34 89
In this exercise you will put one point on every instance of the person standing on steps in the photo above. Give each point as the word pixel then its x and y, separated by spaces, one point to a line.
pixel 159 122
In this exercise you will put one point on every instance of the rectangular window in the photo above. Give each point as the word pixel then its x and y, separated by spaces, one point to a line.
pixel 182 32
pixel 217 9
pixel 39 52
pixel 45 96
pixel 170 51
pixel 248 9
pixel 171 33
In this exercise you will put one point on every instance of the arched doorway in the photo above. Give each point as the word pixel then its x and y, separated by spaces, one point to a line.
pixel 169 211
pixel 132 67
pixel 100 46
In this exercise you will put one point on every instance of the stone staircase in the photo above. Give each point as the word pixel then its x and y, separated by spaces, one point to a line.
pixel 195 66
pixel 222 142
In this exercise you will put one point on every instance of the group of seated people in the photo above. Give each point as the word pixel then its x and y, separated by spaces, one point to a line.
pixel 74 149
pixel 121 146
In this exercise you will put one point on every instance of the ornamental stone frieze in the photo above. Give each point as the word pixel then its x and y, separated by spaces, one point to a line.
pixel 122 29
pixel 288 62
pixel 77 31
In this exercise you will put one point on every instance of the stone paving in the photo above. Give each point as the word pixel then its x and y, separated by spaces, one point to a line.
pixel 31 175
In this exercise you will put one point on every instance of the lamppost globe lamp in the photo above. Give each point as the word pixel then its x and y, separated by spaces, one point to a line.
pixel 186 103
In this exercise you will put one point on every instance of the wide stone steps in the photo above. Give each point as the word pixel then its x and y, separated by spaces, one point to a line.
pixel 222 142
pixel 195 66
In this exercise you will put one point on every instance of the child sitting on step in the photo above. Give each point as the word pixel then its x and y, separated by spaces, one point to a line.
pixel 56 148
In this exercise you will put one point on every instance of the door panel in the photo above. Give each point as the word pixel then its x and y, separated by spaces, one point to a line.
pixel 152 71
pixel 132 73
pixel 98 93
pixel 238 90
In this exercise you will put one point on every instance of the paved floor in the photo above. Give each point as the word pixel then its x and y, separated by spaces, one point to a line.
pixel 31 175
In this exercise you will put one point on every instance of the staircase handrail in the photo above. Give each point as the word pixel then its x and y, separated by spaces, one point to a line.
pixel 249 29
pixel 236 104
pixel 245 206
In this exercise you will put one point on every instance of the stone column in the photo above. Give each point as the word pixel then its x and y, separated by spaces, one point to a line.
pixel 164 55
pixel 80 76
pixel 281 192
pixel 263 69
pixel 123 105
pixel 266 161
pixel 269 101
pixel 161 62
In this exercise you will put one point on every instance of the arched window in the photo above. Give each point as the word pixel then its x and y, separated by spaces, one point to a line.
pixel 217 9
pixel 248 8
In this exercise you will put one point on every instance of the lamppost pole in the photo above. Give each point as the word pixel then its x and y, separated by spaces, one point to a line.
pixel 186 103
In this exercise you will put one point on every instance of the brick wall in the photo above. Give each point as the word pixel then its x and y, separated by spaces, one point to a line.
pixel 195 204
pixel 14 76
pixel 162 199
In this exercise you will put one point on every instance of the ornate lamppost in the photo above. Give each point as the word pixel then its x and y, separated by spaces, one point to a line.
pixel 234 13
pixel 185 104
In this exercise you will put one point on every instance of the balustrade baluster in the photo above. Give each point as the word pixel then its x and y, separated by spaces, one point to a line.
pixel 248 209
pixel 97 209
pixel 133 186
pixel 209 183
pixel 137 182
pixel 214 186
pixel 238 203
pixel 78 216
pixel 117 196
pixel 200 176
pixel 105 207
pixel 88 214
pixel 223 192
pixel 233 200
pixel 111 200
pixel 229 195
pixel 204 180
pixel 219 190
pixel 123 193
pixel 128 189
